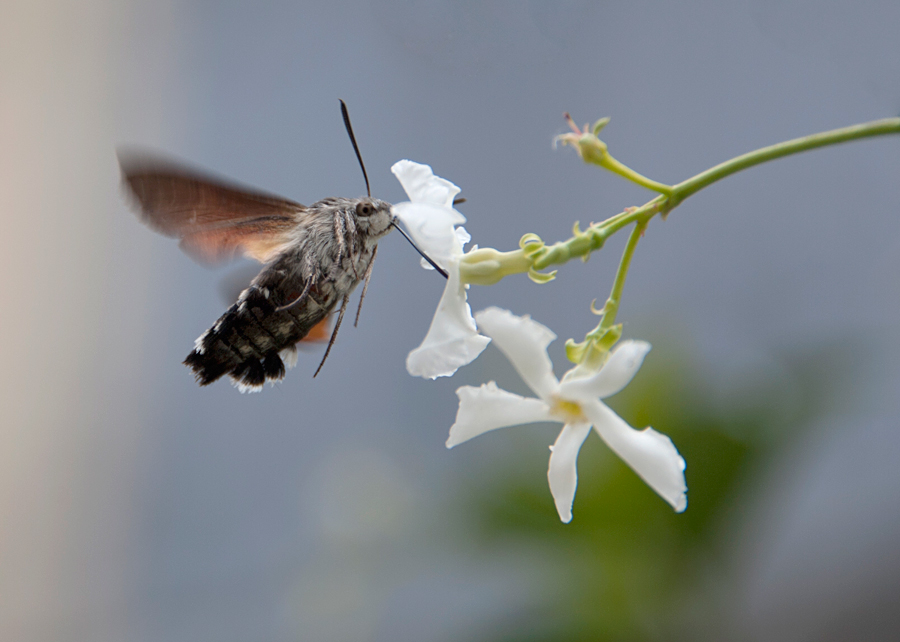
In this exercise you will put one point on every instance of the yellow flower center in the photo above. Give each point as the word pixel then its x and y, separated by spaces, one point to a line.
pixel 569 411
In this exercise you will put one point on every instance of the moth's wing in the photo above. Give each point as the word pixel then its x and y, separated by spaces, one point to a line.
pixel 319 332
pixel 215 220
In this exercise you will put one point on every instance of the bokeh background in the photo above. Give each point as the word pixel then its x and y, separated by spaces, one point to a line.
pixel 136 506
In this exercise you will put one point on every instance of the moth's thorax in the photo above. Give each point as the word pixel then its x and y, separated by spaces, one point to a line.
pixel 333 237
pixel 332 247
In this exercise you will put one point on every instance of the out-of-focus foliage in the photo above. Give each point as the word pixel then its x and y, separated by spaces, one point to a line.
pixel 627 567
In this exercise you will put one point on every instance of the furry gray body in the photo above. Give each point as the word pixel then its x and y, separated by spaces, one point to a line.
pixel 324 257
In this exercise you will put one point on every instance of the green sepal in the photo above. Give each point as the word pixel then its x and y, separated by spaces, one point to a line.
pixel 592 352
pixel 532 245
pixel 540 277
pixel 608 338
pixel 529 241
pixel 599 125
pixel 575 351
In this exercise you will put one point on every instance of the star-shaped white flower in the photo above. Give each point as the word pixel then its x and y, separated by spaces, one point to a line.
pixel 575 402
pixel 452 340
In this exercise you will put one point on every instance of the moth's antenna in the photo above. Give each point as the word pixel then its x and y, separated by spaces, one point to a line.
pixel 362 166
pixel 355 146
pixel 424 256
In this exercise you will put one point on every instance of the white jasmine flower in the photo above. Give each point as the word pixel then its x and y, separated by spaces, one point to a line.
pixel 452 340
pixel 574 402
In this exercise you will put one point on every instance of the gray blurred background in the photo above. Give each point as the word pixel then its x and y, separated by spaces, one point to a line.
pixel 137 506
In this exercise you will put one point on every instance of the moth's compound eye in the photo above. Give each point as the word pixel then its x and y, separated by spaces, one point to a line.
pixel 364 209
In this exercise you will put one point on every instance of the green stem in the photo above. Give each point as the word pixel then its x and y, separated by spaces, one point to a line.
pixel 665 204
pixel 485 267
pixel 592 352
pixel 787 148
pixel 611 308
pixel 624 171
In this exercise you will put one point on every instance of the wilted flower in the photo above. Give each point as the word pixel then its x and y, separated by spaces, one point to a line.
pixel 574 402
pixel 452 340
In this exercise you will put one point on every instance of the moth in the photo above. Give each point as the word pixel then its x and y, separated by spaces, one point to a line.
pixel 313 256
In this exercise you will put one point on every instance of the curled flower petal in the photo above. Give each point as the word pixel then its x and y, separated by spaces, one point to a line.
pixel 452 340
pixel 650 454
pixel 445 248
pixel 422 186
pixel 524 342
pixel 488 408
pixel 624 361
pixel 562 472
pixel 429 215
pixel 432 228
pixel 463 236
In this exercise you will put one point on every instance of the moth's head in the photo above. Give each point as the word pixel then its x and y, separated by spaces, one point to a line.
pixel 373 217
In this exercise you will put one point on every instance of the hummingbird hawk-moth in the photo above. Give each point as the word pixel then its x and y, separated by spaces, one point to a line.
pixel 313 256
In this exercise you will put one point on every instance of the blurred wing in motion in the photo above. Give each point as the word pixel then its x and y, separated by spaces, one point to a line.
pixel 214 220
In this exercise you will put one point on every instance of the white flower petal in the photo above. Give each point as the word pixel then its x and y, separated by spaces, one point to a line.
pixel 650 454
pixel 624 361
pixel 524 342
pixel 432 229
pixel 488 408
pixel 422 186
pixel 463 236
pixel 562 473
pixel 452 340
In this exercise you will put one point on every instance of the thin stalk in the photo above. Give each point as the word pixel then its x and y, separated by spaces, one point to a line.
pixel 624 171
pixel 611 308
pixel 485 267
pixel 843 135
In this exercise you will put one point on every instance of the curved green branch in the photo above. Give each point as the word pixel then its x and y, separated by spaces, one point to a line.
pixel 487 266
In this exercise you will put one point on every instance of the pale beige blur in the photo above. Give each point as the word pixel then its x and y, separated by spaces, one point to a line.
pixel 64 471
